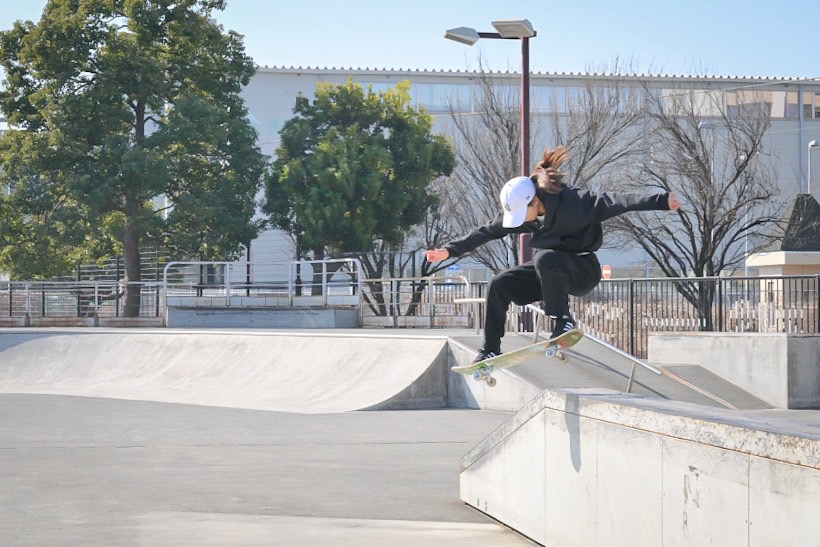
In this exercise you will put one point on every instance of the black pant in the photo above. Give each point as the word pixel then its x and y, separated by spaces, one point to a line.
pixel 551 276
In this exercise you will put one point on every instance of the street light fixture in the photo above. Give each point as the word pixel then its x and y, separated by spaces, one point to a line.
pixel 812 144
pixel 510 29
pixel 514 28
pixel 463 35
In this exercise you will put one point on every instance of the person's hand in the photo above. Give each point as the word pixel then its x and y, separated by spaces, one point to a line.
pixel 437 255
pixel 674 202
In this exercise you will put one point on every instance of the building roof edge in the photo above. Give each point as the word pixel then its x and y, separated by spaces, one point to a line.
pixel 468 73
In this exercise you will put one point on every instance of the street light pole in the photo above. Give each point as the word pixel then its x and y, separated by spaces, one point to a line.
pixel 525 107
pixel 812 144
pixel 510 29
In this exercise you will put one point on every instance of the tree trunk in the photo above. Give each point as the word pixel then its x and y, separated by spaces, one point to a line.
pixel 133 268
pixel 318 256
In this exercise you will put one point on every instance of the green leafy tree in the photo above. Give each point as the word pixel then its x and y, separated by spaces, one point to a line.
pixel 113 105
pixel 354 170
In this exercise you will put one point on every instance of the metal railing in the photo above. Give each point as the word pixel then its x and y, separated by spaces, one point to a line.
pixel 336 282
pixel 539 319
pixel 621 312
pixel 416 302
pixel 60 299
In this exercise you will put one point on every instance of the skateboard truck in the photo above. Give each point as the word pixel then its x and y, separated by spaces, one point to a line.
pixel 554 352
pixel 485 375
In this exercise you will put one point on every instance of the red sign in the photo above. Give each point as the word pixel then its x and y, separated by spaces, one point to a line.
pixel 606 271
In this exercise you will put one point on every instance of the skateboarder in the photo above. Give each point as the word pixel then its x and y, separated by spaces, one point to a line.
pixel 565 223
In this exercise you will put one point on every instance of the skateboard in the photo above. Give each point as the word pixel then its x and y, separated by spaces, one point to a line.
pixel 552 348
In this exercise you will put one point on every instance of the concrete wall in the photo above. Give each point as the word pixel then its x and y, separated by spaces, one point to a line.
pixel 781 369
pixel 27 321
pixel 601 468
pixel 215 317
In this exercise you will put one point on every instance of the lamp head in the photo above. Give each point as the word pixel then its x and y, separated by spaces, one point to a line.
pixel 514 28
pixel 464 35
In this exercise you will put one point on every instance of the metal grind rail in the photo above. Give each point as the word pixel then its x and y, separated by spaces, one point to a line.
pixel 635 361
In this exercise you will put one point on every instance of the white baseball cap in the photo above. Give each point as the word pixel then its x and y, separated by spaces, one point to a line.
pixel 515 197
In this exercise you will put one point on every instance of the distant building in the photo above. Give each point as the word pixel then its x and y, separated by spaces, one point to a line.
pixel 794 108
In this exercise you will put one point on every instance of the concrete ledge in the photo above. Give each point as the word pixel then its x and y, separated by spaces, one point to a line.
pixel 780 369
pixel 222 317
pixel 130 322
pixel 67 322
pixel 596 467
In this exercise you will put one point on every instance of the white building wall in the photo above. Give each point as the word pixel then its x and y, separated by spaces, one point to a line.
pixel 272 92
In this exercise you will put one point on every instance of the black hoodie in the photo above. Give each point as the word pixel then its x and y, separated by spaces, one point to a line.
pixel 572 221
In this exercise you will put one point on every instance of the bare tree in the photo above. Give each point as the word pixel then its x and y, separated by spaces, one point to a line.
pixel 707 147
pixel 630 136
pixel 488 152
pixel 599 122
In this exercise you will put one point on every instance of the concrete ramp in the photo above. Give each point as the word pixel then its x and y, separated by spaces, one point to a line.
pixel 598 467
pixel 312 372
pixel 593 364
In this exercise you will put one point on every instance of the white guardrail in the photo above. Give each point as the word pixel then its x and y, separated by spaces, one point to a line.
pixel 336 282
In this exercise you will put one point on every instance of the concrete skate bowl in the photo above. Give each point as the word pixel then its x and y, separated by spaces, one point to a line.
pixel 299 372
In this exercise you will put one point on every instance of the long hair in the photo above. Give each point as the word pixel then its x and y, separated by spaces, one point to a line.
pixel 546 174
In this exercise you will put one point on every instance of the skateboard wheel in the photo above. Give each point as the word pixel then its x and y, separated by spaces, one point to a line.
pixel 490 381
pixel 477 375
pixel 552 352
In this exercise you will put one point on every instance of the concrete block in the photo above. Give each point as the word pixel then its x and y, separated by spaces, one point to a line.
pixel 781 369
pixel 525 477
pixel 247 301
pixel 784 504
pixel 706 493
pixel 803 358
pixel 509 484
pixel 630 471
pixel 6 322
pixel 571 456
pixel 222 317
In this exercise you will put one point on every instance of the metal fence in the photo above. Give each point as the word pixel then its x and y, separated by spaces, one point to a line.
pixel 624 311
pixel 58 299
pixel 621 312
pixel 416 302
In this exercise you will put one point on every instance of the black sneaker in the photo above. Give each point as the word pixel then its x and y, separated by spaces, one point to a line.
pixel 483 355
pixel 563 325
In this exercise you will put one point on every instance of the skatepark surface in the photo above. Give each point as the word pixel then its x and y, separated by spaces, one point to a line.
pixel 160 447
pixel 297 437
pixel 102 472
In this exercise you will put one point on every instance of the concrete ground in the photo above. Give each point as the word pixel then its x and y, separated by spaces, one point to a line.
pixel 182 437
pixel 94 471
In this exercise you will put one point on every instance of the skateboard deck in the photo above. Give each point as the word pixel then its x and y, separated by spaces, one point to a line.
pixel 483 370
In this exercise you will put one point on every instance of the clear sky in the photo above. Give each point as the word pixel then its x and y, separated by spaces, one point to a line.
pixel 692 37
